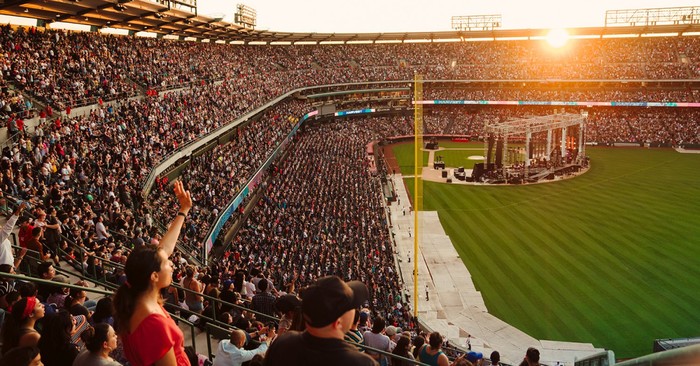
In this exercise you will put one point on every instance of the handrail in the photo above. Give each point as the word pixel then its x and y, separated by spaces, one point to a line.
pixel 54 283
pixel 91 290
pixel 233 204
pixel 82 251
pixel 689 355
pixel 105 284
pixel 211 322
pixel 92 100
pixel 167 160
pixel 605 358
pixel 215 299
pixel 203 140
pixel 114 287
pixel 191 325
pixel 364 347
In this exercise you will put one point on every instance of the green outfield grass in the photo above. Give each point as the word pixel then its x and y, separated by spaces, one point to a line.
pixel 611 257
pixel 457 158
pixel 404 155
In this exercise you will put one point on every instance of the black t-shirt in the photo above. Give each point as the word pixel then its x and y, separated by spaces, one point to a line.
pixel 303 349
pixel 52 236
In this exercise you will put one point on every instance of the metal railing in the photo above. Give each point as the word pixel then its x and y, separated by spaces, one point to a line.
pixel 605 358
pixel 680 356
pixel 212 324
pixel 94 290
pixel 218 333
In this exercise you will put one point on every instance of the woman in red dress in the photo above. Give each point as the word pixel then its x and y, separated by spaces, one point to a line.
pixel 149 335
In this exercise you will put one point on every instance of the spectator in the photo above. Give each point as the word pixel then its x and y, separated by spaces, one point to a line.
pixel 74 303
pixel 263 301
pixel 58 293
pixel 378 340
pixel 195 302
pixel 328 305
pixel 35 245
pixel 6 252
pixel 289 306
pixel 147 331
pixel 103 312
pixel 99 341
pixel 100 229
pixel 476 358
pixel 532 357
pixel 354 335
pixel 431 353
pixel 231 352
pixel 57 348
pixel 7 286
pixel 495 358
pixel 418 343
pixel 22 356
pixel 18 329
pixel 403 348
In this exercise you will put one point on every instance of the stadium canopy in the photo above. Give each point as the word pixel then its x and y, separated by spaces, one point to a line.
pixel 161 18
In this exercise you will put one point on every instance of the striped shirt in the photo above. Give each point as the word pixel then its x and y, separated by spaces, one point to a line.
pixel 354 336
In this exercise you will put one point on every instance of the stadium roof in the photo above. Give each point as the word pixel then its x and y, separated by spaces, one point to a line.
pixel 180 20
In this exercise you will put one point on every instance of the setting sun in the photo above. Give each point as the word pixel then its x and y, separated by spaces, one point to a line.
pixel 557 38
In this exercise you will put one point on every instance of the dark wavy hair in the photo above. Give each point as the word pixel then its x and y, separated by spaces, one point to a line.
pixel 379 325
pixel 19 356
pixel 55 336
pixel 435 340
pixel 141 263
pixel 103 311
pixel 94 337
pixel 402 349
pixel 12 325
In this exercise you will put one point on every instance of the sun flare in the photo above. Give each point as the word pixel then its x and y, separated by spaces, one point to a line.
pixel 557 38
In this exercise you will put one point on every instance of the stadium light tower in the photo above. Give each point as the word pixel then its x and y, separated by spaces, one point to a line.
pixel 245 16
pixel 653 16
pixel 476 22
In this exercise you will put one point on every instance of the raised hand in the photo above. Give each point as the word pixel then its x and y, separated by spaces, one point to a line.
pixel 183 196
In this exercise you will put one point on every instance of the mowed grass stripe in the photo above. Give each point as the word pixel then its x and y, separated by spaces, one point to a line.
pixel 513 287
pixel 519 259
pixel 640 260
pixel 540 299
pixel 629 230
pixel 545 250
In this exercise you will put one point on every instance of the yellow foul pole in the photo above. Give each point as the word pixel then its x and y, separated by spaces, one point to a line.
pixel 417 181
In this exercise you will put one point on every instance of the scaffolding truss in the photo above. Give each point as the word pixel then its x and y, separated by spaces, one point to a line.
pixel 553 143
pixel 534 124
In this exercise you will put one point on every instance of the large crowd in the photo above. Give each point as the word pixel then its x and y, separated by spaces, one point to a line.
pixel 69 69
pixel 321 213
pixel 320 210
pixel 530 93
pixel 218 175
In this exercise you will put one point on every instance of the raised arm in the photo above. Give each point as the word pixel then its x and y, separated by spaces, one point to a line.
pixel 170 237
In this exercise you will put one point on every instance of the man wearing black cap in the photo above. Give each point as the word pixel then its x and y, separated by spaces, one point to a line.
pixel 329 306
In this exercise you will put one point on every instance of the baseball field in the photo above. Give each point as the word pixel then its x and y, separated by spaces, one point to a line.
pixel 611 257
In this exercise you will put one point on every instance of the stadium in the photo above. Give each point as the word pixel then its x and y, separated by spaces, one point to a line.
pixel 494 187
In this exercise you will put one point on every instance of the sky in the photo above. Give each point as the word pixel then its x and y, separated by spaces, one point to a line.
pixel 361 16
pixel 353 16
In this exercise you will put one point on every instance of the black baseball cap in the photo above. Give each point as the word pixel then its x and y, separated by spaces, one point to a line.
pixel 329 297
pixel 287 303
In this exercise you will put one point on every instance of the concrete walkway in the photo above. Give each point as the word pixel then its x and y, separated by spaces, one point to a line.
pixel 687 151
pixel 455 307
